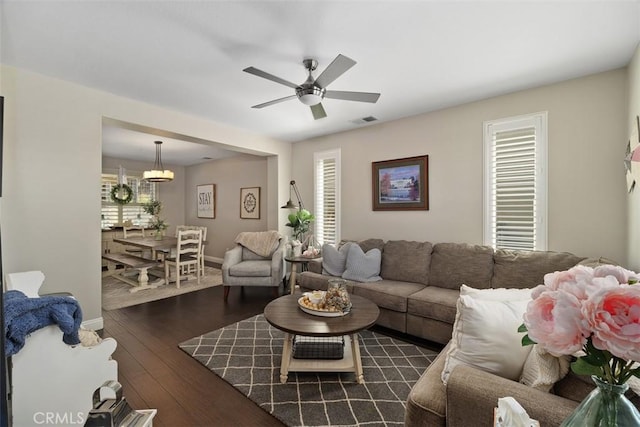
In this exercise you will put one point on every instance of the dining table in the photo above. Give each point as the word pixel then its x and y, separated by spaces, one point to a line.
pixel 152 244
pixel 149 242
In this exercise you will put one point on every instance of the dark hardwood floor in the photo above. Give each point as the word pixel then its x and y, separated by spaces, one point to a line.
pixel 155 373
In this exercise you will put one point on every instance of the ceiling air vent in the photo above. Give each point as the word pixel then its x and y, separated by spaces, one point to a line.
pixel 363 120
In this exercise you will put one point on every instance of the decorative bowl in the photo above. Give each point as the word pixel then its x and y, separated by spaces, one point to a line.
pixel 316 297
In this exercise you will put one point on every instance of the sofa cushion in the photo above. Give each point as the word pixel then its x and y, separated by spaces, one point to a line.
pixel 312 281
pixel 366 244
pixel 389 294
pixel 434 303
pixel 334 259
pixel 454 264
pixel 573 386
pixel 485 335
pixel 526 269
pixel 426 403
pixel 472 395
pixel 315 265
pixel 406 261
pixel 252 268
pixel 597 262
pixel 362 267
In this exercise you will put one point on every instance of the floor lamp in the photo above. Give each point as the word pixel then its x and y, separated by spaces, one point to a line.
pixel 290 204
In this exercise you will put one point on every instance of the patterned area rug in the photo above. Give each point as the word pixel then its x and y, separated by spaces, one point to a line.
pixel 247 355
pixel 115 294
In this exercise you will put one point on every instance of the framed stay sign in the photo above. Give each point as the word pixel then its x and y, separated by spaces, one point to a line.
pixel 206 199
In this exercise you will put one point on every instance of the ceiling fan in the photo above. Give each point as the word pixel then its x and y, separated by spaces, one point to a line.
pixel 313 91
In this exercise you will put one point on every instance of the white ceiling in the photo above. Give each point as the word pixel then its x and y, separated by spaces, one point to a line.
pixel 125 143
pixel 420 55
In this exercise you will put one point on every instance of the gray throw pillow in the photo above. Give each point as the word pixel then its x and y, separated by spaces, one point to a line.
pixel 362 267
pixel 334 260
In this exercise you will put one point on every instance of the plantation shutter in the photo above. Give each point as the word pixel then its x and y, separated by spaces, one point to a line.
pixel 326 197
pixel 110 211
pixel 515 192
pixel 113 214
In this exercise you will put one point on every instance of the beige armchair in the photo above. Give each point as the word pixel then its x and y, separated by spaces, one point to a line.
pixel 244 267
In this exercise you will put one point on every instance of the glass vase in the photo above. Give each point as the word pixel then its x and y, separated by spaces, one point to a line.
pixel 337 296
pixel 605 406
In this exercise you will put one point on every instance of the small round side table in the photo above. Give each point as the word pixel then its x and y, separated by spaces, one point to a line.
pixel 294 261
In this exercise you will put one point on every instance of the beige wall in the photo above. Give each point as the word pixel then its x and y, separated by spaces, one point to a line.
pixel 53 141
pixel 587 123
pixel 178 197
pixel 633 198
pixel 52 164
pixel 229 175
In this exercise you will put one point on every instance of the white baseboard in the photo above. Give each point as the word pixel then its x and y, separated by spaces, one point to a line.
pixel 94 324
pixel 213 259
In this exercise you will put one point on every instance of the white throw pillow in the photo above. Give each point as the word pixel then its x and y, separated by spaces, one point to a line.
pixel 334 260
pixel 497 294
pixel 361 267
pixel 485 333
pixel 542 370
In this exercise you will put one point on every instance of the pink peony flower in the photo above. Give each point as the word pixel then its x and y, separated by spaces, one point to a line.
pixel 538 290
pixel 553 321
pixel 593 314
pixel 552 281
pixel 578 281
pixel 622 275
pixel 613 315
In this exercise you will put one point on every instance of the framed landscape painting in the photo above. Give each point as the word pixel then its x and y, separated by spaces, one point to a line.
pixel 250 203
pixel 206 197
pixel 401 184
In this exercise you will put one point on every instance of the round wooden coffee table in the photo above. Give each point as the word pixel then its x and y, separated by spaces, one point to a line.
pixel 285 314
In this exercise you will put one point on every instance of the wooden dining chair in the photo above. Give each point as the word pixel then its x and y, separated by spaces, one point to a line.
pixel 188 253
pixel 133 231
pixel 204 238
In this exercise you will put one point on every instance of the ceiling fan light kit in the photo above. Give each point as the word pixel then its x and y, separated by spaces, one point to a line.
pixel 311 95
pixel 313 91
pixel 158 173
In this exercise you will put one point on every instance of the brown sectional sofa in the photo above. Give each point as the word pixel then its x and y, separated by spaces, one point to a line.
pixel 418 295
pixel 421 281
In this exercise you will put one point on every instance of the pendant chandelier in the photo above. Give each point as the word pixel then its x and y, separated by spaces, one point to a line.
pixel 158 173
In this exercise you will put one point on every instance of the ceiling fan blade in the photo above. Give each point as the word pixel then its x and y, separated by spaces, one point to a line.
pixel 275 101
pixel 338 67
pixel 265 75
pixel 352 96
pixel 318 111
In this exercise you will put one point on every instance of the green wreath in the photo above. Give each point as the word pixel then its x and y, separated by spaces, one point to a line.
pixel 128 194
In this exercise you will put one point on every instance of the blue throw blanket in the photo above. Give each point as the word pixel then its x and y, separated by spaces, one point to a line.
pixel 23 315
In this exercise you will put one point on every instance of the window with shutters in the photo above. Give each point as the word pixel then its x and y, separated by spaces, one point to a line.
pixel 113 214
pixel 327 196
pixel 515 179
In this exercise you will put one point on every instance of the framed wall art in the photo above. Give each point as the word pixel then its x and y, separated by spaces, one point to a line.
pixel 401 184
pixel 632 157
pixel 206 197
pixel 250 203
